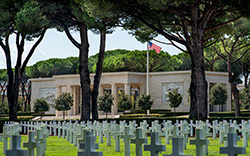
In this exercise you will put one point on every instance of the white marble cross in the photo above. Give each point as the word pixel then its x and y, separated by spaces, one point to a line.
pixel 205 134
pixel 108 134
pixel 59 127
pixel 16 149
pixel 175 132
pixel 232 149
pixel 138 141
pixel 31 144
pixel 155 147
pixel 39 139
pixel 244 131
pixel 199 142
pixel 126 138
pixel 100 132
pixel 214 127
pixel 89 147
pixel 167 131
pixel 184 132
pixel 83 143
pixel 117 134
pixel 177 147
pixel 5 137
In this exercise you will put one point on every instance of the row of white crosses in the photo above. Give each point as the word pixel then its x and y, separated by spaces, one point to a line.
pixel 77 134
pixel 12 131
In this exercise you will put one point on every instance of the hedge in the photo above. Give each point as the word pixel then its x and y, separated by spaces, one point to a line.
pixel 27 114
pixel 168 114
pixel 152 111
pixel 244 113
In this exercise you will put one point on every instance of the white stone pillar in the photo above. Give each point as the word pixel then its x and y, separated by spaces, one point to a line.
pixel 100 90
pixel 114 94
pixel 127 89
pixel 58 92
pixel 76 100
pixel 70 90
pixel 142 89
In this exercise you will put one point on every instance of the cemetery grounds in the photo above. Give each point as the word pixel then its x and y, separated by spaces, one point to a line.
pixel 61 147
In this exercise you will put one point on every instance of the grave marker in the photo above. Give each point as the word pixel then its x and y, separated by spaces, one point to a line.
pixel 199 142
pixel 138 141
pixel 117 135
pixel 177 147
pixel 16 149
pixel 154 146
pixel 126 138
pixel 232 149
pixel 89 147
pixel 31 144
pixel 5 137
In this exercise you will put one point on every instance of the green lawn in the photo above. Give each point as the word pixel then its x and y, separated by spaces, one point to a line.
pixel 60 147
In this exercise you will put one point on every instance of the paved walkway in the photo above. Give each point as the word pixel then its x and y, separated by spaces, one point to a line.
pixel 72 117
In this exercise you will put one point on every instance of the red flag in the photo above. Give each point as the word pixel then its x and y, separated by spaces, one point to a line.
pixel 155 47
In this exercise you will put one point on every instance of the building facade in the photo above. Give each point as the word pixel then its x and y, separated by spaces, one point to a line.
pixel 133 84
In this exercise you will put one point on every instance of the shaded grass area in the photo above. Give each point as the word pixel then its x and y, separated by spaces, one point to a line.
pixel 60 147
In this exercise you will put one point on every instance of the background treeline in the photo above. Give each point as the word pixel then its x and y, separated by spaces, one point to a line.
pixel 114 61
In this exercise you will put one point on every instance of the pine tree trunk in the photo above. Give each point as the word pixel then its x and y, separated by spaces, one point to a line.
pixel 198 85
pixel 98 75
pixel 195 47
pixel 12 94
pixel 234 89
pixel 236 95
pixel 84 72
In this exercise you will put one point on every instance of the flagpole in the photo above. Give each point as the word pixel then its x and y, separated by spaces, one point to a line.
pixel 147 70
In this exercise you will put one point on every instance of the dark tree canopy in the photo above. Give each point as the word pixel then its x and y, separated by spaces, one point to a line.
pixel 194 24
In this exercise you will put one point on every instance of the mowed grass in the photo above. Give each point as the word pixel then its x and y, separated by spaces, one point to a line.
pixel 60 147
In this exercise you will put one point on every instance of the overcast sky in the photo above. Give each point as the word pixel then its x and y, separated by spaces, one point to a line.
pixel 56 45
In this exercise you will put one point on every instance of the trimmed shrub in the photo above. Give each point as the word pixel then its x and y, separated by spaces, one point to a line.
pixel 105 102
pixel 218 95
pixel 144 102
pixel 175 98
pixel 124 102
pixel 64 102
pixel 41 105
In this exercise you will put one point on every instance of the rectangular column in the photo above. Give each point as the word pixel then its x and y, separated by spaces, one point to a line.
pixel 142 89
pixel 114 94
pixel 70 90
pixel 127 89
pixel 100 90
pixel 58 92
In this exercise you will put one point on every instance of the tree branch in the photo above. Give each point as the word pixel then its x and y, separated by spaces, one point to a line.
pixel 20 50
pixel 185 51
pixel 219 54
pixel 241 56
pixel 207 15
pixel 223 24
pixel 162 42
pixel 166 35
pixel 224 46
pixel 73 41
pixel 32 50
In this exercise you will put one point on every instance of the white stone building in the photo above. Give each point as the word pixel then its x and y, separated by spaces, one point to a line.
pixel 133 84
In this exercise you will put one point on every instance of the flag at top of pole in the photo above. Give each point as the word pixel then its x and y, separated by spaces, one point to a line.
pixel 155 47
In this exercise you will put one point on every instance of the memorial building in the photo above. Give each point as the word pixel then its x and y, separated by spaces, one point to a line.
pixel 133 84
